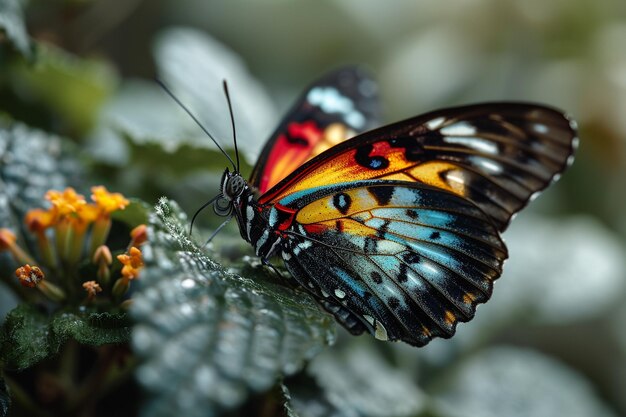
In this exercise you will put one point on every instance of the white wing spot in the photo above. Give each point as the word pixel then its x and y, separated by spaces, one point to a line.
pixel 325 294
pixel 331 101
pixel 459 129
pixel 478 144
pixel 369 319
pixel 339 294
pixel 250 216
pixel 435 123
pixel 356 119
pixel 456 176
pixel 540 128
pixel 489 165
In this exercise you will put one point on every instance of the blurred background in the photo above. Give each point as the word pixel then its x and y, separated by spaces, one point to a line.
pixel 552 341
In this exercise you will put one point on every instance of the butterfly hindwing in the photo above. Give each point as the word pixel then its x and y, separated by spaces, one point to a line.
pixel 497 155
pixel 402 260
pixel 333 109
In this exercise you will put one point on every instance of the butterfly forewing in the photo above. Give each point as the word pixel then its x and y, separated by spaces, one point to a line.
pixel 497 155
pixel 333 109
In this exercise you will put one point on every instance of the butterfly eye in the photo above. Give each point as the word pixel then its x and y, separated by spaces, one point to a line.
pixel 223 206
pixel 234 186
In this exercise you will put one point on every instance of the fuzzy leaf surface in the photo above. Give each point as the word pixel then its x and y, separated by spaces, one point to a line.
pixel 209 337
pixel 29 335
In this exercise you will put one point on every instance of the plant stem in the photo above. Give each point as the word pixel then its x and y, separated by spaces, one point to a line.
pixel 89 390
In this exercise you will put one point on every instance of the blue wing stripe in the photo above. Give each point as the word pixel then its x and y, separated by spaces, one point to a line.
pixel 478 231
pixel 426 296
pixel 390 288
pixel 355 298
pixel 452 285
pixel 474 252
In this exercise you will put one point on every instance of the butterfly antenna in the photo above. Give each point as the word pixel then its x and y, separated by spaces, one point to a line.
pixel 205 205
pixel 221 226
pixel 167 90
pixel 232 122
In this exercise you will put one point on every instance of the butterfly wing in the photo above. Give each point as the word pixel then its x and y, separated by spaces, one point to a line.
pixel 333 109
pixel 498 155
pixel 401 260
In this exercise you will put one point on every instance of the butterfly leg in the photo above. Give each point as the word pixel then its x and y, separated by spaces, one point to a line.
pixel 266 262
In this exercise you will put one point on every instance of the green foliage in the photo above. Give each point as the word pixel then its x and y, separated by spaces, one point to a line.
pixel 94 328
pixel 209 337
pixel 73 89
pixel 29 335
pixel 31 163
pixel 12 24
pixel 135 213
pixel 24 338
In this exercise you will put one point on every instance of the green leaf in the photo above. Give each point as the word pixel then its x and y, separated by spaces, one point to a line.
pixel 5 399
pixel 209 337
pixel 193 65
pixel 73 88
pixel 353 382
pixel 31 163
pixel 134 214
pixel 12 24
pixel 29 335
pixel 24 338
pixel 93 328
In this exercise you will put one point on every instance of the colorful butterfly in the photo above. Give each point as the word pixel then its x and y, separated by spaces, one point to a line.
pixel 395 231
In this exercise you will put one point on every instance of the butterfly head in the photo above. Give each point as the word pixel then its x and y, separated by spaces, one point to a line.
pixel 232 186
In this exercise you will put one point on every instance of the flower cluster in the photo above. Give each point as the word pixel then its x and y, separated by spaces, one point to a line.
pixel 68 232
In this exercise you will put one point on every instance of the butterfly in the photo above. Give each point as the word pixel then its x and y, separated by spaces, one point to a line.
pixel 396 230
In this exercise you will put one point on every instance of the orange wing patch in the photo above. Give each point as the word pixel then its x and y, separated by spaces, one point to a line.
pixel 302 142
pixel 344 167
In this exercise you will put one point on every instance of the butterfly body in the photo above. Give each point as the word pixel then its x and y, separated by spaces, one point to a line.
pixel 396 231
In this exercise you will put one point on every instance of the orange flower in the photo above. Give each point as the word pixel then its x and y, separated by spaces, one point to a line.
pixel 106 201
pixel 38 220
pixel 92 288
pixel 139 235
pixel 29 276
pixel 8 242
pixel 66 202
pixel 7 239
pixel 132 263
pixel 88 213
